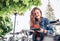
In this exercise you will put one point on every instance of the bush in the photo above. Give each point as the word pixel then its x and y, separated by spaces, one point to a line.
pixel 5 25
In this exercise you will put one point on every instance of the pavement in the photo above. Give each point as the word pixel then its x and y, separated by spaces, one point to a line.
pixel 48 38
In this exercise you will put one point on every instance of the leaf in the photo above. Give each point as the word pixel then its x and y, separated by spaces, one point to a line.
pixel 8 6
pixel 5 25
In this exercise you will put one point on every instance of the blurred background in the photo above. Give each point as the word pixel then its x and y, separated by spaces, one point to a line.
pixel 15 14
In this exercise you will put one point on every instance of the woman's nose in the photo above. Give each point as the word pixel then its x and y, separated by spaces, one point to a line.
pixel 36 14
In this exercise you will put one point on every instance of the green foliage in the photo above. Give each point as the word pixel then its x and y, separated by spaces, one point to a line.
pixel 8 6
pixel 5 25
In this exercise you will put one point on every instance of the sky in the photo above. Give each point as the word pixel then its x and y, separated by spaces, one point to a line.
pixel 22 22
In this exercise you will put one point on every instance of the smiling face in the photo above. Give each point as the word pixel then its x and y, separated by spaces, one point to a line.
pixel 37 14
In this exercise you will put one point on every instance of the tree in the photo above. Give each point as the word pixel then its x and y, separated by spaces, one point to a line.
pixel 8 7
pixel 49 12
pixel 5 25
pixel 21 6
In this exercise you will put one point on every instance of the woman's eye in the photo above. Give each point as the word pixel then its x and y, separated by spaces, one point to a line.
pixel 37 12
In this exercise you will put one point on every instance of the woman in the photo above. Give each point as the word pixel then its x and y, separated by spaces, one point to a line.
pixel 44 23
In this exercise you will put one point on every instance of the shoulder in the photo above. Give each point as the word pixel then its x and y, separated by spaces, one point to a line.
pixel 45 19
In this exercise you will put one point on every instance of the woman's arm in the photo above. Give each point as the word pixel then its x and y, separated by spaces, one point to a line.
pixel 49 27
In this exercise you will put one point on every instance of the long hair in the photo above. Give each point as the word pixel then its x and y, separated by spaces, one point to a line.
pixel 32 20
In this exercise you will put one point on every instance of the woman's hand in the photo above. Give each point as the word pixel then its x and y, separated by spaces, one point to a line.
pixel 34 32
pixel 43 30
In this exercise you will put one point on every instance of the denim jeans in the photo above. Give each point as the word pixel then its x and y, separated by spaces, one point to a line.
pixel 41 37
